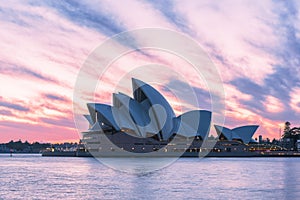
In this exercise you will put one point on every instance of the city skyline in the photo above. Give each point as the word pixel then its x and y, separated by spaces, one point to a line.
pixel 254 46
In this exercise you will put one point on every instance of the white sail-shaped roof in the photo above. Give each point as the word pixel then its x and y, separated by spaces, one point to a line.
pixel 226 132
pixel 243 133
pixel 148 96
pixel 103 113
pixel 123 119
pixel 193 123
pixel 138 115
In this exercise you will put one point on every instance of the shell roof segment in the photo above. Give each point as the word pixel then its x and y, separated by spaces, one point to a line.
pixel 243 133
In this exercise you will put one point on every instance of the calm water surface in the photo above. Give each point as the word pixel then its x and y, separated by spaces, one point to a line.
pixel 36 177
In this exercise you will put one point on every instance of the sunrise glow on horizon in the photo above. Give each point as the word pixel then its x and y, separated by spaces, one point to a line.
pixel 254 46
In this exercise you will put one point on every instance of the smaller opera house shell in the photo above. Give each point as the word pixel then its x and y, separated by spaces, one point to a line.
pixel 243 133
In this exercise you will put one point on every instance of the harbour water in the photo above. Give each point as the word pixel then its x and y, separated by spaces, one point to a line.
pixel 36 177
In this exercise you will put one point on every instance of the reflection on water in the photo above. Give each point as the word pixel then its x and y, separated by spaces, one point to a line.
pixel 36 177
pixel 137 165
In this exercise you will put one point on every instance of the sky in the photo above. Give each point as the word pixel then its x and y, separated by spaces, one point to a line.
pixel 254 45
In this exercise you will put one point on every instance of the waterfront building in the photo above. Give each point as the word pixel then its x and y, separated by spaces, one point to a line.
pixel 147 123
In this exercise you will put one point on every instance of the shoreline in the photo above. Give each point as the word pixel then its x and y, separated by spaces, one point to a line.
pixel 184 155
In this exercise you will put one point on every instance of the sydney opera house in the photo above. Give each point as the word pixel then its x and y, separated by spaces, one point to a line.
pixel 147 124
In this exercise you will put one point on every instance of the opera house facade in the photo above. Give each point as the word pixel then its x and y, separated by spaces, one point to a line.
pixel 147 125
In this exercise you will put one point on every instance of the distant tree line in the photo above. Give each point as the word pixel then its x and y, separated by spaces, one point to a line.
pixel 35 147
pixel 23 147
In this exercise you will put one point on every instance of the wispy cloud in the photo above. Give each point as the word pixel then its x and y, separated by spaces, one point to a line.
pixel 12 70
pixel 55 97
pixel 65 122
pixel 84 15
pixel 13 106
pixel 170 12
pixel 6 112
